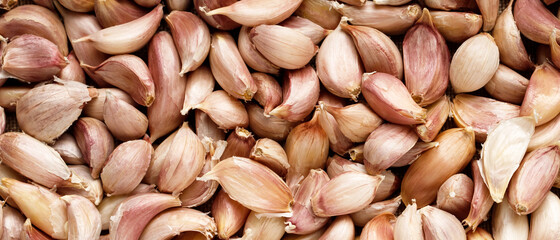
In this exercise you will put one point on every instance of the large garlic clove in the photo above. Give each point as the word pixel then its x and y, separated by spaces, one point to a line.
pixel 545 219
pixel 481 201
pixel 507 85
pixel 456 26
pixel 252 57
pixel 176 221
pixel 217 21
pixel 439 224
pixel 269 127
pixel 534 20
pixel 115 12
pixel 542 98
pixel 123 120
pixel 408 224
pixel 200 83
pixel 228 214
pixel 387 144
pixel 226 111
pixel 508 225
pixel 509 42
pixel 307 27
pixel 257 12
pixel 95 142
pixel 84 221
pixel 356 121
pixel 192 39
pixel 269 94
pixel 455 195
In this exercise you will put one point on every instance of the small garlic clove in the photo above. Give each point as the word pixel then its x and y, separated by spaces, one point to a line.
pixel 12 223
pixel 387 144
pixel 84 221
pixel 93 190
pixel 391 2
pixel 200 192
pixel 217 21
pixel 408 224
pixel 30 233
pixel 436 116
pixel 391 20
pixel 252 57
pixel 268 127
pixel 228 67
pixel 7 172
pixel 9 4
pixel 380 227
pixel 456 26
pixel 544 220
pixel 312 236
pixel 347 193
pixel 342 228
pixel 375 209
pixel 114 12
pixel 337 165
pixel 439 224
pixel 357 153
pixel 545 134
pixel 239 144
pixel 94 108
pixel 303 221
pixel 354 2
pixel 507 85
pixel 123 120
pixel 78 5
pixel 178 220
pixel 534 20
pixel 228 214
pixel 226 111
pixel 269 94
pixel 509 42
pixel 414 153
pixel 481 114
pixel 388 186
pixel 95 142
pixel 542 98
pixel 2 120
pixel 10 95
pixel 110 203
pixel 164 114
pixel 503 151
pixel 192 39
pixel 479 234
pixel 390 99
pixel 489 10
pixel 271 154
pixel 127 37
pixel 301 89
pixel 481 201
pixel 205 127
pixel 319 12
pixel 474 63
pixel 452 4
pixel 131 217
pixel 200 83
pixel 73 71
pixel 337 141
pixel 455 195
pixel 307 27
pixel 43 207
pixel 147 3
pixel 508 225
pixel 263 227
pixel 257 12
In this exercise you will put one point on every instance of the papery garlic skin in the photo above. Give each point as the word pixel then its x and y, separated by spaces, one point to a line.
pixel 508 225
pixel 544 220
pixel 93 189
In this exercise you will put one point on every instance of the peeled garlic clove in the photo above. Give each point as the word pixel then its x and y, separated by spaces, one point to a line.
pixel 507 85
pixel 337 141
pixel 455 195
pixel 347 193
pixel 94 108
pixel 226 111
pixel 534 20
pixel 178 220
pixel 456 26
pixel 252 57
pixel 479 234
pixel 29 233
pixel 205 127
pixel 377 51
pixel 45 209
pixel 127 37
pixel 239 143
pixel 269 127
pixel 84 221
pixel 126 166
pixel 387 144
pixel 481 113
pixel 387 19
pixel 200 83
pixel 123 120
pixel 338 65
pixel 436 116
pixel 114 12
pixel 542 98
pixel 303 221
pixel 380 227
pixel 12 222
pixel 439 224
pixel 228 67
pixel 389 98
pixel 2 120
pixel 364 216
pixel 72 71
pixel 545 134
pixel 217 21
pixel 508 225
pixel 545 218
pixel 95 141
pixel 269 94
pixel 9 96
pixel 426 61
pixel 130 74
pixel 455 150
pixel 257 12
pixel 93 190
pixel 271 154
pixel 509 42
pixel 341 228
pixel 474 63
pixel 414 153
pixel 489 10
pixel 300 93
pixel 307 27
pixel 337 165
pixel 164 114
pixel 533 179
pixel 408 224
pixel 134 213
pixel 228 214
pixel 503 151
pixel 481 201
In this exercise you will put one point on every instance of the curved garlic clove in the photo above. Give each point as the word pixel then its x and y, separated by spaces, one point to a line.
pixel 164 114
pixel 356 121
pixel 319 12
pixel 93 190
pixel 479 234
pixel 200 83
pixel 436 116
pixel 73 71
pixel 341 228
pixel 95 141
pixel 147 3
pixel 508 225
pixel 175 221
pixel 239 143
pixel 542 98
pixel 509 42
pixel 221 22
pixel 257 12
pixel 226 111
pixel 362 217
pixel 545 219
pixel 307 27
pixel 29 233
pixel 192 39
pixel 388 186
pixel 228 214
pixel 110 203
pixel 481 201
pixel 390 99
pixel 439 224
pixel 2 120
pixel 115 12
pixel 123 120
pixel 178 5
pixel 545 134
pixel 228 67
pixel 205 127
pixel 252 57
pixel 10 95
pixel 337 141
pixel 380 227
pixel 259 227
pixel 534 20
pixel 127 37
pixel 507 85
pixel 337 165
pixel 12 223
pixel 68 149
pixel 84 221
pixel 269 94
pixel 271 154
pixel 199 192
pixel 269 127
pixel 387 144
pixel 414 153
pixel 456 26
pixel 408 224
pixel 489 10
pixel 455 195
pixel 78 5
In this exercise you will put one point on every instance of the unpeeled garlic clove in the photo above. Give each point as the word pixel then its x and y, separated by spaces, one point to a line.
pixel 252 57
pixel 341 228
pixel 239 143
pixel 479 234
pixel 205 127
pixel 375 209
pixel 389 98
pixel 424 46
pixel 456 26
pixel 123 120
pixel 545 134
pixel 93 190
pixel 408 224
pixel 269 127
pixel 110 203
pixel 228 67
pixel 78 5
pixel 455 195
pixel 226 111
pixel 489 10
pixel 554 48
pixel 508 225
pixel 200 83
pixel 542 98
pixel 337 165
pixel 388 186
pixel 45 208
pixel 481 113
pixel 164 114
pixel 228 214
pixel 380 227
pixel 147 3
pixel 2 120
pixel 481 201
pixel 387 144
pixel 29 233
pixel 263 227
pixel 257 12
pixel 307 27
pixel 217 21
pixel 391 2
pixel 300 93
pixel 95 142
pixel 127 37
pixel 337 141
pixel 545 218
pixel 73 71
pixel 509 42
pixel 94 108
pixel 192 39
pixel 436 116
pixel 271 154
pixel 452 4
pixel 10 95
pixel 507 85
pixel 178 220
pixel 12 222
pixel 115 12
pixel 474 63
pixel 84 221
pixel 534 20
pixel 269 94
pixel 503 151
pixel 439 224
pixel 414 153
pixel 377 51
pixel 387 19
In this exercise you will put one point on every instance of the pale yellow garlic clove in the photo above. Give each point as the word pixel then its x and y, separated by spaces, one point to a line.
pixel 84 221
pixel 257 12
pixel 200 83
pixel 113 12
pixel 10 95
pixel 455 195
pixel 271 154
pixel 192 39
pixel 489 10
pixel 508 225
pixel 131 217
pixel 377 51
pixel 474 63
pixel 534 20
pixel 545 134
pixel 68 149
pixel 93 190
pixel 342 228
pixel 380 227
pixel 300 93
pixel 391 20
pixel 454 152
pixel 228 67
pixel 544 220
pixel 375 209
pixel 452 4
pixel 269 94
pixel 479 234
pixel 436 117
pixel 481 201
pixel 387 144
pixel 269 127
pixel 414 153
pixel 507 85
pixel 205 127
pixel 347 193
pixel 337 141
pixel 95 142
pixel 126 166
pixel 123 120
pixel 73 71
pixel 388 186
pixel 390 99
pixel 228 214
pixel 226 111
pixel 481 114
pixel 42 206
pixel 542 98
pixel 357 153
pixel 408 224
pixel 7 172
pixel 356 121
pixel 178 220
pixel 246 186
pixel 503 151
pixel 30 233
pixel 94 108
pixel 127 37
pixel 12 223
pixel 319 12
pixel 338 65
pixel 456 26
pixel 263 228
pixel 337 165
pixel 439 224
pixel 252 57
pixel 307 27
pixel 217 21
pixel 509 42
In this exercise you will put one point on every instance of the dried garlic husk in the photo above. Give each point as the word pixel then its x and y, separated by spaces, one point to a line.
pixel 545 220
pixel 455 195
pixel 269 94
pixel 436 116
pixel 68 149
pixel 84 221
pixel 542 98
pixel 357 153
pixel 200 83
pixel 508 225
pixel 307 27
pixel 408 224
pixel 270 127
pixel 175 221
pixel 114 12
pixel 320 12
pixel 342 228
pixel 93 190
pixel 257 12
pixel 271 228
pixel 228 214
pixel 224 110
pixel 507 85
pixel 387 144
pixel 481 201
pixel 355 121
pixel 205 127
pixel 362 217
pixel 337 141
pixel 456 26
pixel 271 154
pixel 534 20
pixel 439 224
pixel 545 134
pixel 380 227
pixel 192 39
pixel 509 42
pixel 95 141
pixel 217 21
pixel 123 120
pixel 239 144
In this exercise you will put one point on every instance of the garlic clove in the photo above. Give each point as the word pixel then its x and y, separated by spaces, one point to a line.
pixel 93 190
pixel 147 3
pixel 481 201
pixel 380 227
pixel 228 214
pixel 12 222
pixel 239 143
pixel 408 224
pixel 387 144
pixel 84 221
pixel 554 48
pixel 388 186
pixel 545 219
pixel 509 42
pixel 507 85
pixel 9 4
pixel 192 39
pixel 337 141
pixel 269 94
pixel 205 127
pixel 2 120
pixel 78 5
pixel 436 116
pixel 479 234
pixel 455 195
pixel 414 153
pixel 341 228
pixel 508 225
pixel 217 21
pixel 268 127
pixel 110 203
pixel 114 12
pixel 200 83
pixel 439 224
pixel 252 57
pixel 175 221
pixel 271 154
pixel 94 108
pixel 123 120
pixel 534 20
pixel 452 4
pixel 545 134
pixel 541 97
pixel 73 71
pixel 489 10
pixel 391 2
pixel 226 111
pixel 319 12
pixel 95 142
pixel 357 153
pixel 10 95
pixel 307 27
pixel 29 232
pixel 337 165
pixel 257 12
pixel 354 2
pixel 263 228
pixel 456 26
pixel 375 209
